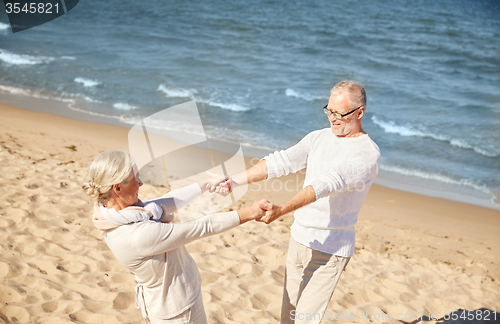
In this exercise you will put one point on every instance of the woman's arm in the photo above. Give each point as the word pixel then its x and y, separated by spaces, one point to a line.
pixel 178 198
pixel 152 238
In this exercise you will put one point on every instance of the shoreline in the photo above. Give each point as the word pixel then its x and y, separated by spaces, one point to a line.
pixel 414 254
pixel 426 187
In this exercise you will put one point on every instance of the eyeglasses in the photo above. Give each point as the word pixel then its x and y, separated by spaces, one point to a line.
pixel 337 115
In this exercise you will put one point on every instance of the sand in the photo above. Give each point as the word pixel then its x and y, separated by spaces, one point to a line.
pixel 414 254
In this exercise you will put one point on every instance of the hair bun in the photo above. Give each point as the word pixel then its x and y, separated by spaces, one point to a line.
pixel 92 189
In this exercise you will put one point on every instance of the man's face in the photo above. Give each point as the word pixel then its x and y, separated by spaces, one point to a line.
pixel 347 125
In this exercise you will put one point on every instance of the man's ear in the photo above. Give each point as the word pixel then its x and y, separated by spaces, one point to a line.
pixel 361 112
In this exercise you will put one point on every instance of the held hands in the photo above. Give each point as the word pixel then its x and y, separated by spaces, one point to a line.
pixel 273 212
pixel 213 182
pixel 252 212
pixel 223 187
pixel 259 212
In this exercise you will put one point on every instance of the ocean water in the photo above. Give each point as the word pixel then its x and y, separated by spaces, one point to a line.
pixel 261 72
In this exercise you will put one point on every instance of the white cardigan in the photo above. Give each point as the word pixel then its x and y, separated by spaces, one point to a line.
pixel 167 276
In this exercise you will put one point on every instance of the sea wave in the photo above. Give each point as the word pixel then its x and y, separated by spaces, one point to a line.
pixel 78 96
pixel 22 59
pixel 123 106
pixel 407 130
pixel 4 26
pixel 87 82
pixel 177 92
pixel 63 97
pixel 193 95
pixel 436 177
pixel 73 107
pixel 33 93
pixel 304 96
pixel 228 106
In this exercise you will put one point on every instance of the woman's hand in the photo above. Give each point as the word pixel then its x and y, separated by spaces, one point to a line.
pixel 213 182
pixel 252 212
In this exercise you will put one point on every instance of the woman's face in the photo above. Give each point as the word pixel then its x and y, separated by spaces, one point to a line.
pixel 130 191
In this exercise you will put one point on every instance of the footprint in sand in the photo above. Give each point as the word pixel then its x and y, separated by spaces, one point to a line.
pixel 4 269
pixel 242 268
pixel 124 300
pixel 10 295
pixel 15 314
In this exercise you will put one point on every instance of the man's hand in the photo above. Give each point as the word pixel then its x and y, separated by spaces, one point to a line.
pixel 222 187
pixel 273 212
pixel 253 212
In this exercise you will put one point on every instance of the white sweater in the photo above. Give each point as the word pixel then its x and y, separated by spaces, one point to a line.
pixel 168 278
pixel 341 171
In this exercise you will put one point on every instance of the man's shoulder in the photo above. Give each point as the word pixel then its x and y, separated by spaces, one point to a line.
pixel 366 148
pixel 370 143
pixel 319 133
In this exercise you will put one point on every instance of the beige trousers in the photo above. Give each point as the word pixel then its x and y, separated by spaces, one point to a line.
pixel 310 279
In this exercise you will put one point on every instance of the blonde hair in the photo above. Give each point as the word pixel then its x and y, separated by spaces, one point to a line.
pixel 356 92
pixel 109 168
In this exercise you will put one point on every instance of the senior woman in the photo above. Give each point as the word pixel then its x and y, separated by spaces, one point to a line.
pixel 142 239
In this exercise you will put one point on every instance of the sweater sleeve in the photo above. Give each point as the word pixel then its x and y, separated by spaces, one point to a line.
pixel 357 171
pixel 178 198
pixel 287 161
pixel 153 238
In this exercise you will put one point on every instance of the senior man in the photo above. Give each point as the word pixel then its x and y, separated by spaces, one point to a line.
pixel 342 161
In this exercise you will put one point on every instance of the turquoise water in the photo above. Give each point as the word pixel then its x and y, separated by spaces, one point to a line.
pixel 261 71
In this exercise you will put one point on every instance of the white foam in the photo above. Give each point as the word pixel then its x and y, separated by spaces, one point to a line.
pixel 79 96
pixel 192 94
pixel 13 90
pixel 33 93
pixel 87 82
pixel 436 177
pixel 72 107
pixel 228 106
pixel 4 26
pixel 391 127
pixel 72 58
pixel 64 97
pixel 123 106
pixel 21 59
pixel 304 96
pixel 177 92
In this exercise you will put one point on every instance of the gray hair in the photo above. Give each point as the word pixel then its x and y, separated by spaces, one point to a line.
pixel 356 92
pixel 109 168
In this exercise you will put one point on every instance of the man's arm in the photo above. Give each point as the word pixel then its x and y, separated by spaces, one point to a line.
pixel 276 164
pixel 255 173
pixel 301 199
